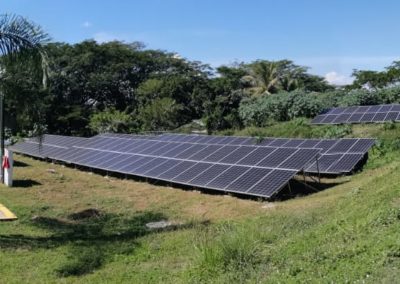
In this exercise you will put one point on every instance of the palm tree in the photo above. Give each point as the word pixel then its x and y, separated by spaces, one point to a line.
pixel 20 41
pixel 263 77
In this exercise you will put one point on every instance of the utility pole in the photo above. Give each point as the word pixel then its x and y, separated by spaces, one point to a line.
pixel 1 135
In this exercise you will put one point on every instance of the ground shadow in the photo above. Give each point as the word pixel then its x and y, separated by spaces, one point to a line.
pixel 20 164
pixel 92 240
pixel 297 188
pixel 25 183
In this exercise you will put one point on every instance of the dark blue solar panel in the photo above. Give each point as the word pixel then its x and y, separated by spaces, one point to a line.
pixel 134 162
pixel 190 151
pixel 220 154
pixel 116 164
pixel 385 108
pixel 145 160
pixel 277 157
pixel 205 152
pixel 379 117
pixel 177 170
pixel 249 142
pixel 346 163
pixel 362 146
pixel 299 159
pixel 391 116
pixel 266 141
pixel 148 166
pixel 351 109
pixel 156 171
pixel 164 149
pixel 294 143
pixel 256 156
pixel 362 109
pixel 367 117
pixel 216 140
pixel 152 164
pixel 208 175
pixel 85 156
pixel 342 118
pixel 355 117
pixel 342 146
pixel 271 183
pixel 324 163
pixel 177 150
pixel 338 110
pixel 236 141
pixel 318 119
pixel 278 142
pixel 247 180
pixel 192 172
pixel 360 114
pixel 329 118
pixel 310 143
pixel 325 145
pixel 238 154
pixel 225 178
pixel 112 160
pixel 395 108
pixel 152 146
pixel 104 158
pixel 374 108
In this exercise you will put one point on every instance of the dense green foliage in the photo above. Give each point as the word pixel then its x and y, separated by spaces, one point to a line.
pixel 283 106
pixel 123 87
pixel 156 90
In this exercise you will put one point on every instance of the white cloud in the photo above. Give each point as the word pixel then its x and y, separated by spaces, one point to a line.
pixel 337 79
pixel 87 24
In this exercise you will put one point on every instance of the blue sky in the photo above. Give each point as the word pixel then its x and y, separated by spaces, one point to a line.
pixel 331 37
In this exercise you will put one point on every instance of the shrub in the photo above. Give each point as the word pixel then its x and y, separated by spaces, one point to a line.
pixel 110 120
pixel 280 107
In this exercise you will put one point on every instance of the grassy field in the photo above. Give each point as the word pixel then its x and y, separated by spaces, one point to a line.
pixel 346 233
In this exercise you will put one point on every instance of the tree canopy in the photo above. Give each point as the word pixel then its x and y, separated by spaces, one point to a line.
pixel 126 87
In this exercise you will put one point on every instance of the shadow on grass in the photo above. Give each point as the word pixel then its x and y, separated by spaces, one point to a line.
pixel 91 241
pixel 25 183
pixel 298 189
pixel 20 164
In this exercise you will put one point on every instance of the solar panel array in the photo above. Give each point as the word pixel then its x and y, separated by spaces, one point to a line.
pixel 337 156
pixel 47 146
pixel 359 114
pixel 246 169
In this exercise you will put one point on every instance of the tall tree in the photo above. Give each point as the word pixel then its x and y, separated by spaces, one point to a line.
pixel 263 76
pixel 20 40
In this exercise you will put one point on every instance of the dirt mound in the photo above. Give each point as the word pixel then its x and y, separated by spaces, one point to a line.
pixel 85 214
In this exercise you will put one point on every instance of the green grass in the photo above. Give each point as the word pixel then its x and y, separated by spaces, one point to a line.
pixel 346 233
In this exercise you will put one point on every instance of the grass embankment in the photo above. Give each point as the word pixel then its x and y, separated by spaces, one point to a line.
pixel 346 233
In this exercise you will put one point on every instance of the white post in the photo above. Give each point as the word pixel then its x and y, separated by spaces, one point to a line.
pixel 8 171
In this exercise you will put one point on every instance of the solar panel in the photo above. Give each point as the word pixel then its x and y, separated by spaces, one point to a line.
pixel 327 147
pixel 230 168
pixel 359 114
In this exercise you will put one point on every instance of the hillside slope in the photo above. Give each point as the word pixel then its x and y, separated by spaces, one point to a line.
pixel 348 232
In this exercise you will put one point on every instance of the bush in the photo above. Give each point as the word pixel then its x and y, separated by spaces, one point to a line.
pixel 160 115
pixel 110 120
pixel 232 249
pixel 280 107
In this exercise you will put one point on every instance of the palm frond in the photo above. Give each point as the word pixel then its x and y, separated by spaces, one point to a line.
pixel 22 40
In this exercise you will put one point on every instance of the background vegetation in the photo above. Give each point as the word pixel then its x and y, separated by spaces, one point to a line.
pixel 125 87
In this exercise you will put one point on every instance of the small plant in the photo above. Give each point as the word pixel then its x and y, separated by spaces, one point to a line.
pixel 231 249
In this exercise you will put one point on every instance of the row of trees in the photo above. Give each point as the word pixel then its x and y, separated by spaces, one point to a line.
pixel 125 87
